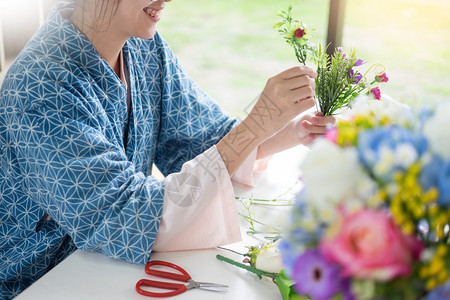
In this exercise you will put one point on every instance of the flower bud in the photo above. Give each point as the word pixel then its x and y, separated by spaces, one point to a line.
pixel 266 258
pixel 381 78
pixel 299 32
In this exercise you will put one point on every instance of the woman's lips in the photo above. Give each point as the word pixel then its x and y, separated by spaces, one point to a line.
pixel 154 13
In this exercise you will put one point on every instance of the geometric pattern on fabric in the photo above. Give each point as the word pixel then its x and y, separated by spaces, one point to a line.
pixel 67 180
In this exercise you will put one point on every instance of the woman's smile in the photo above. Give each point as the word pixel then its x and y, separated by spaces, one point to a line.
pixel 155 14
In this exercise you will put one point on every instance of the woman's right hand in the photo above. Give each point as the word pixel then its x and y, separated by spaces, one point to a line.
pixel 284 97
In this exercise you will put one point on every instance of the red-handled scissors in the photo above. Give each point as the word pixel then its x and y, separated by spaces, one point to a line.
pixel 176 288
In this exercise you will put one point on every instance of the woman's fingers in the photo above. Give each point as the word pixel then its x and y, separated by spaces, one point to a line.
pixel 284 97
pixel 291 90
pixel 318 124
pixel 297 72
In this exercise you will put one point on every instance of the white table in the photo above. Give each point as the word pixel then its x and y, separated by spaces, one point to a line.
pixel 87 275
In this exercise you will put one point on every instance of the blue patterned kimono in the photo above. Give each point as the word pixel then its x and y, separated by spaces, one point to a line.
pixel 63 116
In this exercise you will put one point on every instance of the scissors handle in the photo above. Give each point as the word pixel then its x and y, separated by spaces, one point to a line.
pixel 184 276
pixel 176 287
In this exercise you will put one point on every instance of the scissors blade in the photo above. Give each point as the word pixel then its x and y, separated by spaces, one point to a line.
pixel 214 287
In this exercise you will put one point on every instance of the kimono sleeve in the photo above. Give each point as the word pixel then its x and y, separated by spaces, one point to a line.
pixel 191 121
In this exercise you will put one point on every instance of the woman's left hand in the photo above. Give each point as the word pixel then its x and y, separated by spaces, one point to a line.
pixel 303 130
pixel 310 127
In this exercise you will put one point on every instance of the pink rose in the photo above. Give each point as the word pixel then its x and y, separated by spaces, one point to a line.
pixel 368 245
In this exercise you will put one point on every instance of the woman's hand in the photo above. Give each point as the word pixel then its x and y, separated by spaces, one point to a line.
pixel 284 97
pixel 310 127
pixel 303 130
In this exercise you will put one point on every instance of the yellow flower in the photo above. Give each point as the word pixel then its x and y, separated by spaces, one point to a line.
pixel 431 195
pixel 433 210
pixel 423 272
pixel 442 276
pixel 431 284
pixel 437 264
pixel 408 228
pixel 442 250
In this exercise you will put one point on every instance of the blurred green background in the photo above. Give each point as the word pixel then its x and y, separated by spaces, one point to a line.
pixel 230 47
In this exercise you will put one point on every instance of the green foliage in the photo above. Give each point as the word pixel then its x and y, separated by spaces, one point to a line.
pixel 287 28
pixel 337 84
pixel 284 285
pixel 334 88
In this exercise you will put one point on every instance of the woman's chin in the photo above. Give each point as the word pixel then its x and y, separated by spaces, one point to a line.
pixel 147 34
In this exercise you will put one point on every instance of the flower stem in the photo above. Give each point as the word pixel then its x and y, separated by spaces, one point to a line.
pixel 256 271
pixel 223 248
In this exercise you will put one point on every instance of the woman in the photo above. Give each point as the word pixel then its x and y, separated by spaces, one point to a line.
pixel 88 106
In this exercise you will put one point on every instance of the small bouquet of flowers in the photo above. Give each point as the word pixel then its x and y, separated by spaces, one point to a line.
pixel 372 220
pixel 339 79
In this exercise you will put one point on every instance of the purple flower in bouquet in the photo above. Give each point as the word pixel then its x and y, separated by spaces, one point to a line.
pixel 315 277
pixel 359 62
pixel 355 75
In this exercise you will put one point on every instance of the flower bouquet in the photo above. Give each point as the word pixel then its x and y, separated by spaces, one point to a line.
pixel 339 79
pixel 372 221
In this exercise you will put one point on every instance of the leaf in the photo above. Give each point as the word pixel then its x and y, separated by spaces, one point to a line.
pixel 284 285
pixel 278 25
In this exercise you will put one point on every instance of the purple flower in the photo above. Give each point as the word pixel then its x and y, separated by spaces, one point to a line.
pixel 355 75
pixel 315 277
pixel 359 62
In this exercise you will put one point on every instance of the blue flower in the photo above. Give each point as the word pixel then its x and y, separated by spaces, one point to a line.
pixel 428 177
pixel 443 180
pixel 436 173
pixel 315 277
pixel 374 144
pixel 289 254
pixel 423 115
pixel 439 293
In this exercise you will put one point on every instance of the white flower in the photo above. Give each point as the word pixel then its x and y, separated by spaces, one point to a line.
pixel 331 175
pixel 385 162
pixel 366 188
pixel 405 155
pixel 436 130
pixel 390 108
pixel 268 259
